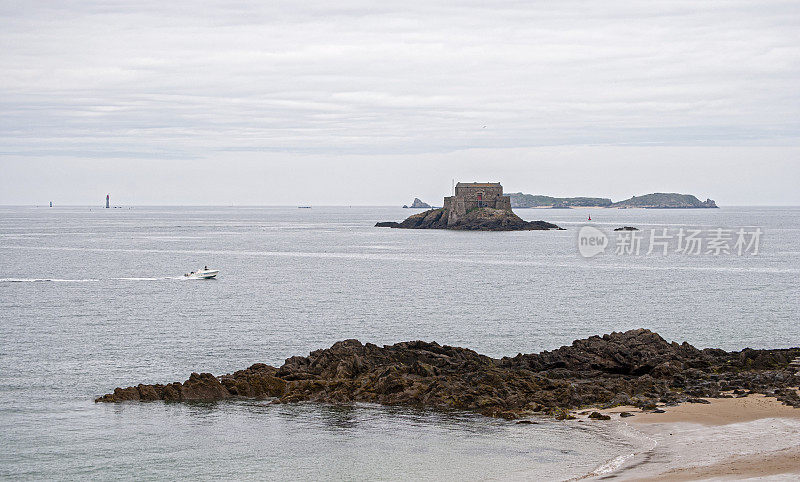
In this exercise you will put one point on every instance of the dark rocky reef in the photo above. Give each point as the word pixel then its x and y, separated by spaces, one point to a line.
pixel 626 228
pixel 258 381
pixel 636 367
pixel 479 219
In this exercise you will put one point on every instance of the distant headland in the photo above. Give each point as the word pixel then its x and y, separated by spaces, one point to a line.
pixel 520 200
pixel 662 200
pixel 476 206
pixel 657 200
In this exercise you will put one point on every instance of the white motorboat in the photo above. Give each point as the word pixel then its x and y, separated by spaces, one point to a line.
pixel 204 273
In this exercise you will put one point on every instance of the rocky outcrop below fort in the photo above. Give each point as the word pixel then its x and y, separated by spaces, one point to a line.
pixel 479 219
pixel 418 204
pixel 636 367
pixel 662 200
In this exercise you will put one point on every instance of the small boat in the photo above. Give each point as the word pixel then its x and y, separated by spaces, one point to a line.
pixel 204 273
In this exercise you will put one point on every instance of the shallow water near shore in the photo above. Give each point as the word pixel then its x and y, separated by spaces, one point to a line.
pixel 677 448
pixel 93 299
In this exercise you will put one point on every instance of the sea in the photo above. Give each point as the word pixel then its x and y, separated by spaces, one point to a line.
pixel 92 299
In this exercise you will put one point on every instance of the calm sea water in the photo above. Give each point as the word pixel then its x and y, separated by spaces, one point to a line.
pixel 92 299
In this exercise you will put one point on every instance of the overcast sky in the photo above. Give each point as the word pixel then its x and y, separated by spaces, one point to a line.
pixel 356 102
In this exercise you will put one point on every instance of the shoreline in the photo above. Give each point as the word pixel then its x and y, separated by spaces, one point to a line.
pixel 754 436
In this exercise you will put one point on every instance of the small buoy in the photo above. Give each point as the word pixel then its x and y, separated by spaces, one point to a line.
pixel 590 218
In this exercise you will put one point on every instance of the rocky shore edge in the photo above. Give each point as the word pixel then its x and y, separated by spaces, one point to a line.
pixel 636 368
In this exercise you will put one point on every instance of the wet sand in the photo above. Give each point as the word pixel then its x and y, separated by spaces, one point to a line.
pixel 780 465
pixel 721 411
pixel 729 438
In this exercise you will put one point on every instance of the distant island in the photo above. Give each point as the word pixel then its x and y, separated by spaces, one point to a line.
pixel 476 206
pixel 418 204
pixel 648 201
pixel 661 200
pixel 521 200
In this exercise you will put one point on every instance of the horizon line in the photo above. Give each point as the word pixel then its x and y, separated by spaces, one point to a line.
pixel 100 206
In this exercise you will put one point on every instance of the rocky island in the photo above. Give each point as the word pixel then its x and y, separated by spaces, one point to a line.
pixel 657 200
pixel 637 367
pixel 418 204
pixel 473 207
pixel 661 200
pixel 478 219
pixel 521 200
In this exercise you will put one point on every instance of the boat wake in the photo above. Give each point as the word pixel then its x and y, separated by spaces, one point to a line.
pixel 46 280
pixel 151 279
pixel 89 280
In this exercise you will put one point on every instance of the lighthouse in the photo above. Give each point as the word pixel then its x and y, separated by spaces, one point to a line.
pixel 108 198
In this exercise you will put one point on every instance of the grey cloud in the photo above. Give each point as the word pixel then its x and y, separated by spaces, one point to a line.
pixel 204 81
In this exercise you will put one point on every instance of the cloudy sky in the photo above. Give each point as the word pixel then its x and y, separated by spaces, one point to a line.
pixel 356 102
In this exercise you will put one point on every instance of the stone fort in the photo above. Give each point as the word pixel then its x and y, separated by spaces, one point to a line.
pixel 471 195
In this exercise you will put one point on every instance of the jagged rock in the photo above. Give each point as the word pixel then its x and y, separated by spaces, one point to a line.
pixel 625 414
pixel 560 414
pixel 788 396
pixel 258 381
pixel 599 416
pixel 386 224
pixel 636 367
pixel 626 228
pixel 431 219
pixel 634 352
pixel 419 204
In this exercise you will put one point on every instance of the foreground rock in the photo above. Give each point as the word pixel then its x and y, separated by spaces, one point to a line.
pixel 637 367
pixel 478 219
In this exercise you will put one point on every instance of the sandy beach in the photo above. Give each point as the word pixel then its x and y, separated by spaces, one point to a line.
pixel 730 438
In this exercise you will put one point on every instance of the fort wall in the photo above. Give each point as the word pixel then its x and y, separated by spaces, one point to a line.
pixel 474 195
